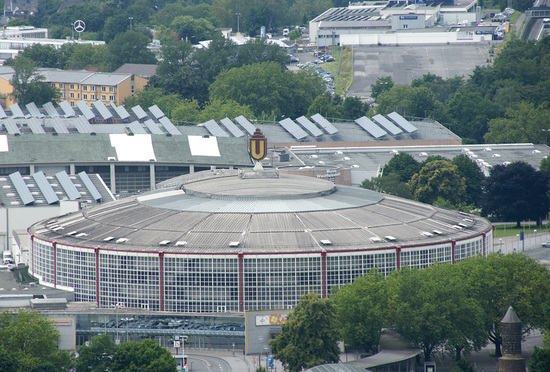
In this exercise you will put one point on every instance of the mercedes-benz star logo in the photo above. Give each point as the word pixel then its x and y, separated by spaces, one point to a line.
pixel 79 26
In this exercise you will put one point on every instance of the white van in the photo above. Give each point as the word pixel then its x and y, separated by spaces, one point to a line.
pixel 286 31
pixel 7 258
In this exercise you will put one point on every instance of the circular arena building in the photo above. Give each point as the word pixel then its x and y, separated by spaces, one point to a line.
pixel 235 241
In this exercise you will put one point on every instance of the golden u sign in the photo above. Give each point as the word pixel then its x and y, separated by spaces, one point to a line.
pixel 258 145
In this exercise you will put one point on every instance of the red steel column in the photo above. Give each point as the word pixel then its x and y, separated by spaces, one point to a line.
pixel 161 280
pixel 241 282
pixel 398 256
pixel 453 243
pixel 324 273
pixel 97 276
pixel 55 264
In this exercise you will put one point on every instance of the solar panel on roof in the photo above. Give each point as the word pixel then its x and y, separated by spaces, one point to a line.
pixel 387 125
pixel 85 110
pixel 16 111
pixel 157 113
pixel 59 126
pixel 22 188
pixel 215 129
pixel 82 125
pixel 324 123
pixel 373 129
pixel 50 110
pixel 153 127
pixel 90 185
pixel 136 128
pixel 2 113
pixel 291 127
pixel 139 112
pixel 231 127
pixel 245 124
pixel 10 126
pixel 33 110
pixel 170 128
pixel 67 109
pixel 67 185
pixel 310 127
pixel 120 110
pixel 402 122
pixel 102 109
pixel 36 126
pixel 45 187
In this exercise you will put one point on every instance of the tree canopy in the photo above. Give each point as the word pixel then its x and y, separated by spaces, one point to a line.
pixel 28 342
pixel 516 192
pixel 310 335
pixel 28 84
pixel 438 179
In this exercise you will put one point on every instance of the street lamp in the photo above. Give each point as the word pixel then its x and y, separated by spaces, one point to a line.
pixel 238 15
pixel 131 19
pixel 127 320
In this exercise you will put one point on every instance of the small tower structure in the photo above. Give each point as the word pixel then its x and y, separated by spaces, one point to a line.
pixel 511 360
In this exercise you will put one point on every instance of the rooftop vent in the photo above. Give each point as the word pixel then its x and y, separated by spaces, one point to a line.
pixel 325 242
pixel 390 238
pixel 121 240
pixel 234 244
pixel 180 243
pixel 423 154
pixel 80 235
pixel 395 152
pixel 437 232
pixel 375 239
pixel 164 242
pixel 457 227
pixel 108 239
pixel 426 233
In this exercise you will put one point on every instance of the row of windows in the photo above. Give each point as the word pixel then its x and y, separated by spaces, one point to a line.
pixel 92 88
pixel 204 284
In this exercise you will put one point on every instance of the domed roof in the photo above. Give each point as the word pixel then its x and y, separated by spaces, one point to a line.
pixel 227 211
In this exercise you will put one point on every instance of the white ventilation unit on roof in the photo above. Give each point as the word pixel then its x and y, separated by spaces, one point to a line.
pixel 121 240
pixel 180 243
pixel 390 238
pixel 81 235
pixel 234 244
pixel 164 242
pixel 437 232
pixel 108 239
pixel 325 242
pixel 375 239
pixel 426 233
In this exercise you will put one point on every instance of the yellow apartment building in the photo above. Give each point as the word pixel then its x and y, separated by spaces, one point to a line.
pixel 79 85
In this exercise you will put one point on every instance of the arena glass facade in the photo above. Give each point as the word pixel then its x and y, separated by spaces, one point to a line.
pixel 207 283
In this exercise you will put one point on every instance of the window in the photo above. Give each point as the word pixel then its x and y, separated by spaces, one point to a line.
pixel 78 95
pixel 72 103
pixel 85 96
pixel 92 97
pixel 92 88
pixel 62 95
pixel 71 87
pixel 405 26
pixel 85 88
pixel 53 85
pixel 111 98
pixel 103 89
pixel 112 89
pixel 61 86
pixel 103 98
pixel 72 95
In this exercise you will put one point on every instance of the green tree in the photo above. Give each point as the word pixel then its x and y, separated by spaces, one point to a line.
pixel 191 29
pixel 522 123
pixel 327 105
pixel 388 184
pixel 352 108
pixel 97 356
pixel 29 341
pixel 268 89
pixel 258 51
pixel 383 84
pixel 145 356
pixel 499 281
pixel 310 336
pixel 295 34
pixel 439 178
pixel 540 360
pixel 218 110
pixel 42 55
pixel 516 192
pixel 545 165
pixel 130 47
pixel 433 310
pixel 362 307
pixel 28 84
pixel 473 176
pixel 440 88
pixel 403 165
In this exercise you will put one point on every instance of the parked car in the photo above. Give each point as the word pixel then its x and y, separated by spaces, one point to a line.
pixel 546 244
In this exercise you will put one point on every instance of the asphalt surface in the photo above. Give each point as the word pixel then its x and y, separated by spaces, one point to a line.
pixel 406 63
